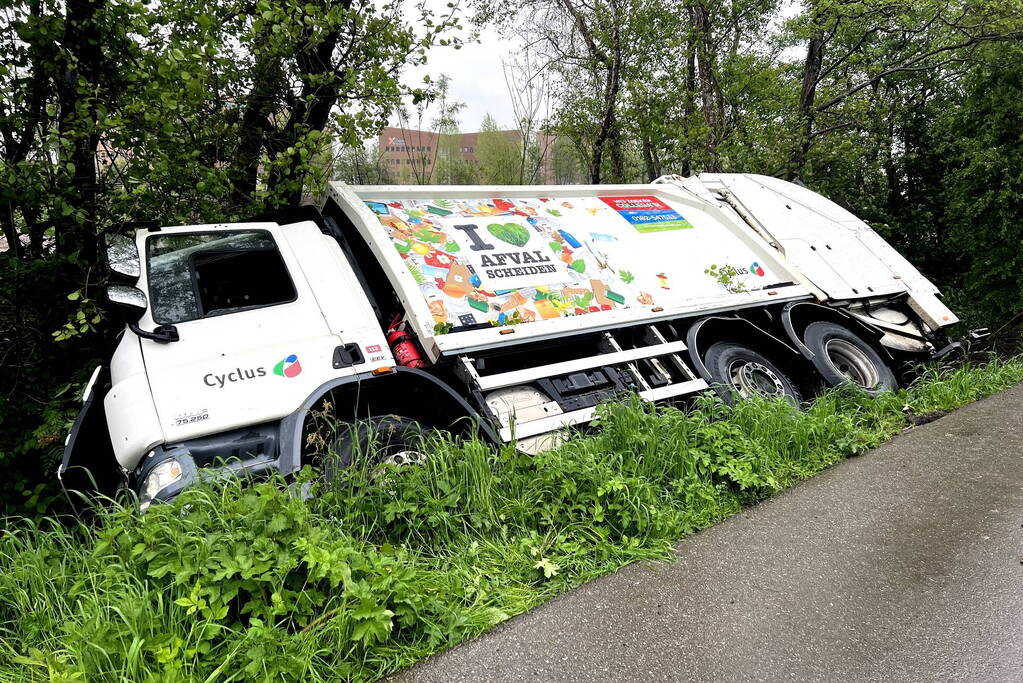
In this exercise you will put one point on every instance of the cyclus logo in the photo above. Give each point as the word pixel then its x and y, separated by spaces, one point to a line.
pixel 289 367
pixel 757 268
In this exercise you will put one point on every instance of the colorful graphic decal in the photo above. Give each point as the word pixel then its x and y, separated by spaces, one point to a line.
pixel 756 269
pixel 289 367
pixel 511 261
pixel 647 214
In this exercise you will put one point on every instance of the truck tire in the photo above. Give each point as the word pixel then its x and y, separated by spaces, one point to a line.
pixel 386 439
pixel 841 357
pixel 747 372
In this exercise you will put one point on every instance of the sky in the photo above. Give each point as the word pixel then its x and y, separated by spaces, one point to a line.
pixel 475 73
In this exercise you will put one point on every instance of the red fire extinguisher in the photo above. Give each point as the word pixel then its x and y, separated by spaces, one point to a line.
pixel 402 346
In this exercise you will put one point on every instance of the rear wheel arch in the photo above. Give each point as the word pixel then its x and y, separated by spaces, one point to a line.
pixel 797 316
pixel 706 332
pixel 804 320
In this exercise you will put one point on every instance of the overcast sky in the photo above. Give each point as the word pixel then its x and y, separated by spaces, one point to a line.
pixel 475 73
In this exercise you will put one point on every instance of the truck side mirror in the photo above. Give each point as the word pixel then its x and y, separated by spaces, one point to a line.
pixel 132 303
pixel 123 257
pixel 128 300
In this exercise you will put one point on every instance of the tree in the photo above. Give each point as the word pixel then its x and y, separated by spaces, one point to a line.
pixel 527 83
pixel 985 184
pixel 212 108
pixel 498 154
pixel 423 146
pixel 566 167
pixel 853 48
pixel 587 45
pixel 361 165
pixel 449 168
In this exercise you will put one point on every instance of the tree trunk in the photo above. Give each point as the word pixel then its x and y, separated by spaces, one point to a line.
pixel 608 130
pixel 811 76
pixel 77 126
pixel 311 113
pixel 10 232
pixel 705 66
pixel 648 160
pixel 259 104
pixel 689 104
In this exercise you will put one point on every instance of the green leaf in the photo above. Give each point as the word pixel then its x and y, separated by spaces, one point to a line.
pixel 548 568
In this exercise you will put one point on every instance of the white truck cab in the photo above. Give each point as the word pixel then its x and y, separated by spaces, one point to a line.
pixel 508 311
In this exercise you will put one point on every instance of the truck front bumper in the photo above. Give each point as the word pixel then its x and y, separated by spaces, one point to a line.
pixel 167 470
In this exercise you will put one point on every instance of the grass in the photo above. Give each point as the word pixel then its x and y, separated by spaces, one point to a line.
pixel 251 583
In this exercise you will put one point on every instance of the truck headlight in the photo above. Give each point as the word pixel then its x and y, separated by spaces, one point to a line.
pixel 162 476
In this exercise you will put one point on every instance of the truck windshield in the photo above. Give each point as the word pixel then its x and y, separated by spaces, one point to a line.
pixel 201 274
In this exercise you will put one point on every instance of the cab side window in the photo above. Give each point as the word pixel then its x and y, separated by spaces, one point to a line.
pixel 203 274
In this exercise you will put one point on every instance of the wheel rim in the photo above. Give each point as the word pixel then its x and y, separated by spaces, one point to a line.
pixel 750 379
pixel 852 363
pixel 405 456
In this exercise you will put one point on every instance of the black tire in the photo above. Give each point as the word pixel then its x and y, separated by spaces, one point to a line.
pixel 388 438
pixel 746 372
pixel 842 357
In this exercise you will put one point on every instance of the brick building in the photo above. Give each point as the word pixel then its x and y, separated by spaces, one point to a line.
pixel 410 155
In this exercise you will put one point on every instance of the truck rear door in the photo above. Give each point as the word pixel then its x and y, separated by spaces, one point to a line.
pixel 833 248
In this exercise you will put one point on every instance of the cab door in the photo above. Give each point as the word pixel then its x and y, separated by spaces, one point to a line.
pixel 253 343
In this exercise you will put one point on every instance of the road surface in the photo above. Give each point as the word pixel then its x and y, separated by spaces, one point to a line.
pixel 903 564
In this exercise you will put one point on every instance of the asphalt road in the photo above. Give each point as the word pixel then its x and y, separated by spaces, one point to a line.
pixel 904 564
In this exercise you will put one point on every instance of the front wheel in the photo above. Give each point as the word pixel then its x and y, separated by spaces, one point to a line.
pixel 842 357
pixel 388 439
pixel 748 373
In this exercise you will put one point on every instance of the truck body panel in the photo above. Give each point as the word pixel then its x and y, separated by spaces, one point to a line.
pixel 557 260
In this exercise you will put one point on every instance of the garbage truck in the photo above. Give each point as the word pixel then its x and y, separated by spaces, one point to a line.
pixel 509 312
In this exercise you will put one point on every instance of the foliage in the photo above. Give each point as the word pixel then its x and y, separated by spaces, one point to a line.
pixel 431 156
pixel 361 165
pixel 985 185
pixel 390 564
pixel 498 154
pixel 727 277
pixel 41 378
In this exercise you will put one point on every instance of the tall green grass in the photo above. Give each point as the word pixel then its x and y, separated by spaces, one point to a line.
pixel 250 582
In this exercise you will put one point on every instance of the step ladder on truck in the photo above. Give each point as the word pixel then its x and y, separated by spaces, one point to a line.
pixel 512 312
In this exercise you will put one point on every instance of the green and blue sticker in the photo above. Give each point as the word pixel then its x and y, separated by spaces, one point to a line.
pixel 647 214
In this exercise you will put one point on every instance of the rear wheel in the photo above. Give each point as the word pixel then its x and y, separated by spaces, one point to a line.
pixel 842 357
pixel 748 373
pixel 384 440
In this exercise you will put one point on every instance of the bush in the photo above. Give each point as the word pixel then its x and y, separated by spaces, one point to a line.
pixel 390 564
pixel 41 379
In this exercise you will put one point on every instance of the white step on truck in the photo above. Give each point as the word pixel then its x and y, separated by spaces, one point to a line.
pixel 510 312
